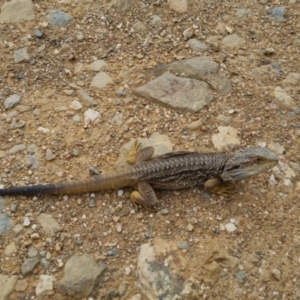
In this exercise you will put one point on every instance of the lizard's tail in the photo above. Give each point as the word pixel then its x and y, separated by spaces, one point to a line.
pixel 93 184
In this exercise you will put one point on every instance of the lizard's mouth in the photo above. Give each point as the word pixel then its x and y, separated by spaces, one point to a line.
pixel 242 172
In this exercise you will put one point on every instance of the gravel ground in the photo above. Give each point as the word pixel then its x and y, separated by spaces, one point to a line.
pixel 47 135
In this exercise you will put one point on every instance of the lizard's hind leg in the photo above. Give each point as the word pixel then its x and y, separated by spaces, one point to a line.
pixel 145 196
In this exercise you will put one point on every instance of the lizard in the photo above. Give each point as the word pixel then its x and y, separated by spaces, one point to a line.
pixel 214 171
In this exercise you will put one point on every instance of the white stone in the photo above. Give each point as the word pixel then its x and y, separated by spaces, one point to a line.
pixel 230 227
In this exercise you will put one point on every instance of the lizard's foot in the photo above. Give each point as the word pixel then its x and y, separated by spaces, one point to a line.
pixel 131 156
pixel 218 186
pixel 145 196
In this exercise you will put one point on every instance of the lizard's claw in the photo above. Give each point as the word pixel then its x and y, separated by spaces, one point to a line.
pixel 131 156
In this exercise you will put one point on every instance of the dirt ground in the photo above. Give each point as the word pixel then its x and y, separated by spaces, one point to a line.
pixel 267 239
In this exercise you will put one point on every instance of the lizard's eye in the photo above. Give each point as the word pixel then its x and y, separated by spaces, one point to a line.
pixel 259 159
pixel 235 167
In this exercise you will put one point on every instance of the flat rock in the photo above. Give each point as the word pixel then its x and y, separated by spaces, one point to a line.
pixel 5 223
pixel 97 65
pixel 242 12
pixel 197 46
pixel 205 69
pixel 45 285
pixel 101 80
pixel 292 78
pixel 81 274
pixel 21 55
pixel 160 280
pixel 17 148
pixel 178 5
pixel 181 94
pixel 227 137
pixel 16 11
pixel 49 224
pixel 59 18
pixel 7 284
pixel 282 96
pixel 232 41
pixel 12 101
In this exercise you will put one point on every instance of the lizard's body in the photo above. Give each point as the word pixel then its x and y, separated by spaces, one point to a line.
pixel 174 170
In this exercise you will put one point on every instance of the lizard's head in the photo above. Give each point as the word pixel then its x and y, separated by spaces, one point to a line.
pixel 248 162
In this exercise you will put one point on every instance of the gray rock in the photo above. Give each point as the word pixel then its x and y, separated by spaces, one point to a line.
pixel 45 264
pixel 49 224
pixel 196 45
pixel 241 277
pixel 84 96
pixel 181 94
pixel 10 249
pixel 38 33
pixel 156 21
pixel 12 101
pixel 183 245
pixel 29 265
pixel 22 55
pixel 59 18
pixel 205 69
pixel 81 274
pixel 5 223
pixel 277 148
pixel 45 285
pixel 232 41
pixel 97 65
pixel 277 13
pixel 16 11
pixel 101 80
pixel 7 284
pixel 49 155
pixel 241 12
pixel 17 148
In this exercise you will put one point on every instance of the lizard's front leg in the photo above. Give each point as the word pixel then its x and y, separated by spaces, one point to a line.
pixel 218 186
pixel 137 154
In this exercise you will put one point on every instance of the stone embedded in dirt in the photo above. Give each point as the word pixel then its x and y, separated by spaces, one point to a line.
pixel 277 13
pixel 5 222
pixel 84 96
pixel 81 274
pixel 10 249
pixel 242 12
pixel 282 96
pixel 181 94
pixel 22 55
pixel 101 80
pixel 17 11
pixel 59 18
pixel 17 148
pixel 49 155
pixel 232 41
pixel 197 46
pixel 29 265
pixel 277 148
pixel 121 5
pixel 76 105
pixel 91 116
pixel 12 101
pixel 49 224
pixel 171 268
pixel 178 5
pixel 139 26
pixel 230 227
pixel 292 78
pixel 205 69
pixel 97 65
pixel 227 136
pixel 7 284
pixel 45 285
